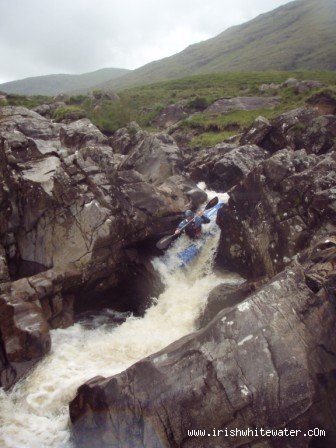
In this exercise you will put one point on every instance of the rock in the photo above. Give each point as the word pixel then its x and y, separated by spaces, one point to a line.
pixel 281 204
pixel 305 86
pixel 324 102
pixel 169 116
pixel 62 97
pixel 65 207
pixel 24 333
pixel 4 273
pixel 101 95
pixel 257 132
pixel 267 363
pixel 43 109
pixel 28 122
pixel 224 166
pixel 226 105
pixel 224 297
pixel 124 139
pixel 297 129
pixel 80 132
pixel 176 184
pixel 272 86
pixel 156 157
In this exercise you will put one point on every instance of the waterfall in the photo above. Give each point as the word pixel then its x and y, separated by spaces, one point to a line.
pixel 34 414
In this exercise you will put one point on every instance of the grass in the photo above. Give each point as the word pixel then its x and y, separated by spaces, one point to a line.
pixel 143 104
pixel 207 139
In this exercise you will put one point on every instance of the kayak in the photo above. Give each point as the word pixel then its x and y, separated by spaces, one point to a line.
pixel 187 255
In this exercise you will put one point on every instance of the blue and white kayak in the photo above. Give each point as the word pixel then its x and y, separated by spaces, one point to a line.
pixel 187 255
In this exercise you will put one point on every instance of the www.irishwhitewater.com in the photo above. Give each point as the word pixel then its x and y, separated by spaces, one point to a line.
pixel 256 432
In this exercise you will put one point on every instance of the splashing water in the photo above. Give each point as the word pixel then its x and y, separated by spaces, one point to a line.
pixel 34 414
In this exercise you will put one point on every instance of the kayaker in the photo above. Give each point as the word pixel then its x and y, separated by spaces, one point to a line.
pixel 194 229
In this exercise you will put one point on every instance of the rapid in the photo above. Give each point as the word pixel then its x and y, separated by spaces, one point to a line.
pixel 34 413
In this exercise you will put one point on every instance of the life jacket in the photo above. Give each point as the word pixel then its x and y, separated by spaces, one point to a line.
pixel 193 230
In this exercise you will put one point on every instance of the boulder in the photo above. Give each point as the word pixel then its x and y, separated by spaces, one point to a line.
pixel 156 157
pixel 281 204
pixel 256 133
pixel 80 132
pixel 267 363
pixel 324 102
pixel 124 139
pixel 169 116
pixel 43 109
pixel 28 122
pixel 224 167
pixel 297 129
pixel 226 105
pixel 224 297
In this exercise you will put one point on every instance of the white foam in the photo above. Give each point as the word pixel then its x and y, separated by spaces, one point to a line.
pixel 35 413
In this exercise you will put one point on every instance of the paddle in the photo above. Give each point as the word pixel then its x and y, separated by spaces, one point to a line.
pixel 166 240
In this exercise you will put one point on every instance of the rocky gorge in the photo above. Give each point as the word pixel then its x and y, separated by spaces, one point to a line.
pixel 79 207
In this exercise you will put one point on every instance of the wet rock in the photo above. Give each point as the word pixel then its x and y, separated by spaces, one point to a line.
pixel 66 206
pixel 24 332
pixel 174 185
pixel 284 202
pixel 226 165
pixel 269 362
pixel 225 105
pixel 224 297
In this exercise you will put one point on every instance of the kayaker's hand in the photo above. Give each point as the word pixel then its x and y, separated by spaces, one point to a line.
pixel 177 232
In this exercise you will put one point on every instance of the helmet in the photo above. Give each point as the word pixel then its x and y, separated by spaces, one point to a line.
pixel 189 214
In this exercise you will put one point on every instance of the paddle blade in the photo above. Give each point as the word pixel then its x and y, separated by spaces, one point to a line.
pixel 211 203
pixel 165 242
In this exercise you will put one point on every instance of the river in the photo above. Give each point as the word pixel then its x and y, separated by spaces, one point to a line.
pixel 34 414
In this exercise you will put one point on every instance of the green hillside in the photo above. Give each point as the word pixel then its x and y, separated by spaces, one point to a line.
pixel 145 103
pixel 298 35
pixel 62 83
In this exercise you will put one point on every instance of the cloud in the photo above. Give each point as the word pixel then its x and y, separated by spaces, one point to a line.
pixel 75 36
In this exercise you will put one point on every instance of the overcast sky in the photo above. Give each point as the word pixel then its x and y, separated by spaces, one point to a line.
pixel 39 37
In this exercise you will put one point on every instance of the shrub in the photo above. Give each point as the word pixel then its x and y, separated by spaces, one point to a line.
pixel 69 113
pixel 198 103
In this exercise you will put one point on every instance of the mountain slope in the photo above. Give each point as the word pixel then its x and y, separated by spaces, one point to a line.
pixel 298 35
pixel 54 84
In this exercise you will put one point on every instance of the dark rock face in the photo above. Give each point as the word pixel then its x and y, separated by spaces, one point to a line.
pixel 265 363
pixel 225 165
pixel 222 297
pixel 68 205
pixel 283 203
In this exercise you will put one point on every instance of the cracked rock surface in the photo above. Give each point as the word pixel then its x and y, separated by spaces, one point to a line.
pixel 69 206
pixel 269 362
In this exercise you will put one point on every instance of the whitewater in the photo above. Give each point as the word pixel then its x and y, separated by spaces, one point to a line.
pixel 34 413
